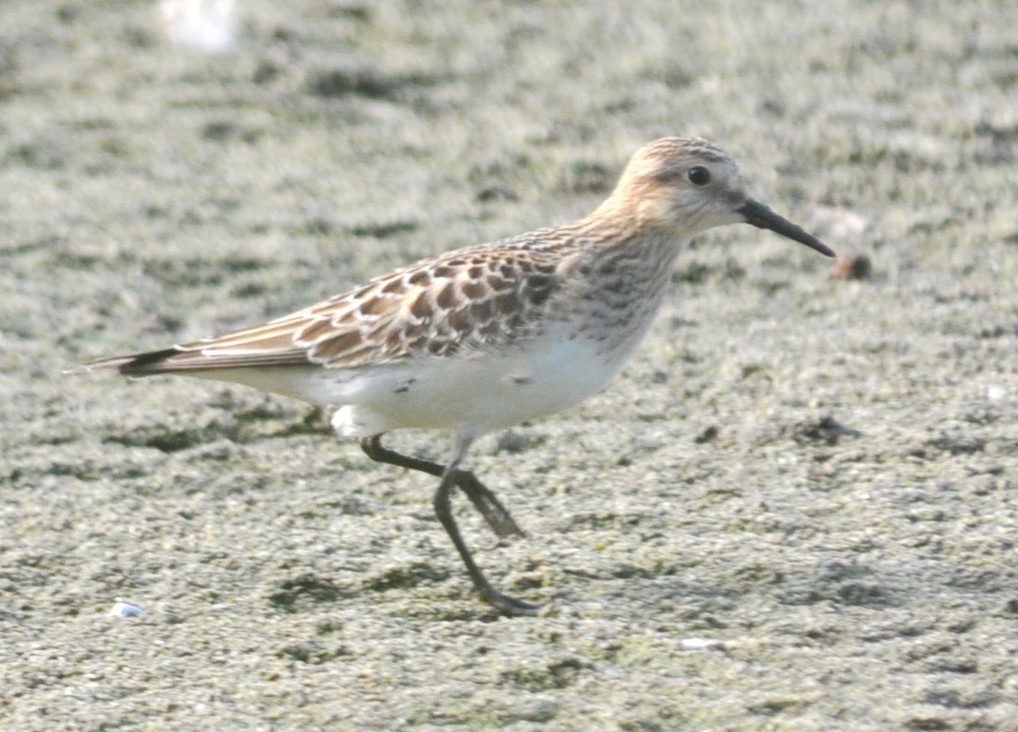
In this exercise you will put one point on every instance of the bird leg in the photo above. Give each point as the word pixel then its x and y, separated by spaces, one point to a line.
pixel 482 498
pixel 494 513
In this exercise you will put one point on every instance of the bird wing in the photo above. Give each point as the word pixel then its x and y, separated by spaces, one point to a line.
pixel 470 299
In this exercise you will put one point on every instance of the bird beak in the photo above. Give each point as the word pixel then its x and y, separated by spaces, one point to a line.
pixel 755 213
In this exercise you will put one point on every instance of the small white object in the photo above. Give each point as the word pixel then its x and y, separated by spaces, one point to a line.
pixel 126 610
pixel 209 25
pixel 698 644
pixel 996 393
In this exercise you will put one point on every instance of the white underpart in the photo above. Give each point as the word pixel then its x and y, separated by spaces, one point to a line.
pixel 473 396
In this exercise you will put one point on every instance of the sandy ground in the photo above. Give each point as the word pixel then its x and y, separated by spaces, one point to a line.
pixel 796 509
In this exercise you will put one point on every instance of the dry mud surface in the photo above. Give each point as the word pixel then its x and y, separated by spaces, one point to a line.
pixel 795 510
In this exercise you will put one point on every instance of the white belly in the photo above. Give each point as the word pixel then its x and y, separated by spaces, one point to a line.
pixel 473 395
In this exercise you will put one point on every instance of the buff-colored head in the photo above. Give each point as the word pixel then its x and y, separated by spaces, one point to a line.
pixel 685 185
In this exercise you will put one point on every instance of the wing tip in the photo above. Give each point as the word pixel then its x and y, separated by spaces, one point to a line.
pixel 146 363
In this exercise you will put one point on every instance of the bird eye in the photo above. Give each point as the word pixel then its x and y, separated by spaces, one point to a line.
pixel 698 175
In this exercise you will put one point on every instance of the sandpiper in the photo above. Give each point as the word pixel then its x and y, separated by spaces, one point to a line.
pixel 488 336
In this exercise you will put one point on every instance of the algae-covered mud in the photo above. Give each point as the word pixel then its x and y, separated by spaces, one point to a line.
pixel 797 508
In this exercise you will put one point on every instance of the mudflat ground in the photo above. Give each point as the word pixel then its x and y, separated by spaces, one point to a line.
pixel 796 509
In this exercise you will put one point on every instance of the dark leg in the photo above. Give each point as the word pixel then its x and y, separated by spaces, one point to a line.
pixel 494 513
pixel 502 603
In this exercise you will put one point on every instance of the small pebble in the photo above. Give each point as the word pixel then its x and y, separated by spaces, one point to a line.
pixel 858 267
pixel 126 610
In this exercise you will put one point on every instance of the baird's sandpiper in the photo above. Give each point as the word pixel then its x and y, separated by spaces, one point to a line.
pixel 488 336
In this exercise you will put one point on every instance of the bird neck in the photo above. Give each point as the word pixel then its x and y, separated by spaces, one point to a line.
pixel 619 257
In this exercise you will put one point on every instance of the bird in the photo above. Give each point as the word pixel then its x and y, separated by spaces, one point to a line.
pixel 485 337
